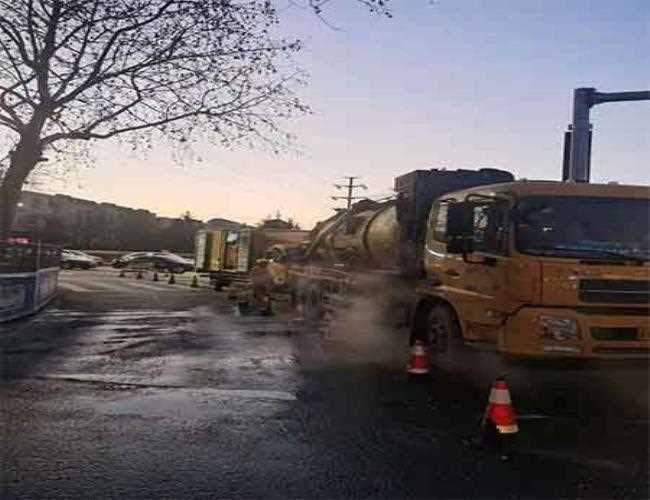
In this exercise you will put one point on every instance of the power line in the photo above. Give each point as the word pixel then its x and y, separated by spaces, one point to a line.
pixel 350 186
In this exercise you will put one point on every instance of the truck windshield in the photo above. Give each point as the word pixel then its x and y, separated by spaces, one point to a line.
pixel 584 227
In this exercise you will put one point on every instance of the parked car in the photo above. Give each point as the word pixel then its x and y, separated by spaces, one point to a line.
pixel 98 260
pixel 164 261
pixel 71 259
pixel 123 260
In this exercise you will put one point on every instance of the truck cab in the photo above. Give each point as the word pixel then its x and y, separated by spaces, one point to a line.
pixel 539 268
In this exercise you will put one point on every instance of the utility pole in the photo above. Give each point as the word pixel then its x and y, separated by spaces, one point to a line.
pixel 578 137
pixel 350 186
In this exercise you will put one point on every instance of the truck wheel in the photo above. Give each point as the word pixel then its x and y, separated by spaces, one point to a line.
pixel 313 304
pixel 219 284
pixel 442 330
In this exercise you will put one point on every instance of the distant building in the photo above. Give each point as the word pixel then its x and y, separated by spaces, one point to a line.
pixel 278 223
pixel 222 224
pixel 78 223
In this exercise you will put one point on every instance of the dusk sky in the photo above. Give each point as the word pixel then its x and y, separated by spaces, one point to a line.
pixel 450 83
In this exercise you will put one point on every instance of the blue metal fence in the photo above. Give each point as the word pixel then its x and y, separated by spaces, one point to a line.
pixel 28 278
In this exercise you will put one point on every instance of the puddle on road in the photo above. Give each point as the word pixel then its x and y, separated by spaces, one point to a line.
pixel 113 316
pixel 185 403
pixel 137 382
pixel 198 352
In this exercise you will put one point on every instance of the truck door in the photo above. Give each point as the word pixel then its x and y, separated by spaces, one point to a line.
pixel 484 274
pixel 216 249
pixel 244 253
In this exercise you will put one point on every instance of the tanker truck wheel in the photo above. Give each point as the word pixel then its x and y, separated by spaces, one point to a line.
pixel 436 325
pixel 443 331
pixel 313 303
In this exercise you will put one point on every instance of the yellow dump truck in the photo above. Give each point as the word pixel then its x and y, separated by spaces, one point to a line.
pixel 539 269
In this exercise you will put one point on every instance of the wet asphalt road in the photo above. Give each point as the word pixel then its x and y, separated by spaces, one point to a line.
pixel 135 389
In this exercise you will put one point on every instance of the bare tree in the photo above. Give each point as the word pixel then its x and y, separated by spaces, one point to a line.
pixel 377 6
pixel 94 69
pixel 85 70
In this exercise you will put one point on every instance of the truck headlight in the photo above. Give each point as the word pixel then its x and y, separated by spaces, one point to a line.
pixel 557 328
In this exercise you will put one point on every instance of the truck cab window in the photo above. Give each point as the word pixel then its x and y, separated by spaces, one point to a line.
pixel 491 228
pixel 438 222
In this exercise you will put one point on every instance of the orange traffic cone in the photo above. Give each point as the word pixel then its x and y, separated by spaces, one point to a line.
pixel 122 273
pixel 155 276
pixel 419 362
pixel 172 279
pixel 139 276
pixel 195 282
pixel 500 410
pixel 500 419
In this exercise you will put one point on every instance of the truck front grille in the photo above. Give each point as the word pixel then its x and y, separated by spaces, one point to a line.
pixel 614 334
pixel 615 291
pixel 636 352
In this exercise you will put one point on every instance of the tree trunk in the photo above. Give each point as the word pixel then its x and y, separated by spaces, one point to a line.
pixel 23 159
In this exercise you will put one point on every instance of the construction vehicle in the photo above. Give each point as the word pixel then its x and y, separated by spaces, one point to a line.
pixel 228 256
pixel 529 268
pixel 374 248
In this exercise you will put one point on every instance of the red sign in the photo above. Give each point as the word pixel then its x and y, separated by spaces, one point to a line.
pixel 21 240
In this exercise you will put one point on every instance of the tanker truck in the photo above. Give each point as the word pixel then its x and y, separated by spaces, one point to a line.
pixel 539 269
pixel 389 235
pixel 374 248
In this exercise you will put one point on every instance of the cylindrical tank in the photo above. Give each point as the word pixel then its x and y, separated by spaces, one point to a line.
pixel 368 238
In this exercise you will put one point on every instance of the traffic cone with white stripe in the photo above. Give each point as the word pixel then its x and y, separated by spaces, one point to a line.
pixel 195 282
pixel 500 419
pixel 419 362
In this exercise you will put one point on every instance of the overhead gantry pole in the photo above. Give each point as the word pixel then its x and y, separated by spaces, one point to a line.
pixel 580 134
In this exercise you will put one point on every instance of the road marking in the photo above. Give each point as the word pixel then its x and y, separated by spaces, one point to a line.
pixel 146 286
pixel 251 394
pixel 120 314
pixel 75 288
pixel 125 287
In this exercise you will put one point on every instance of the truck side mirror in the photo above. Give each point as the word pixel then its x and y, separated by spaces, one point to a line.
pixel 460 227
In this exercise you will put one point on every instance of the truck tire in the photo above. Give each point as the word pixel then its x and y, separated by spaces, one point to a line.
pixel 219 284
pixel 313 303
pixel 436 325
pixel 443 334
